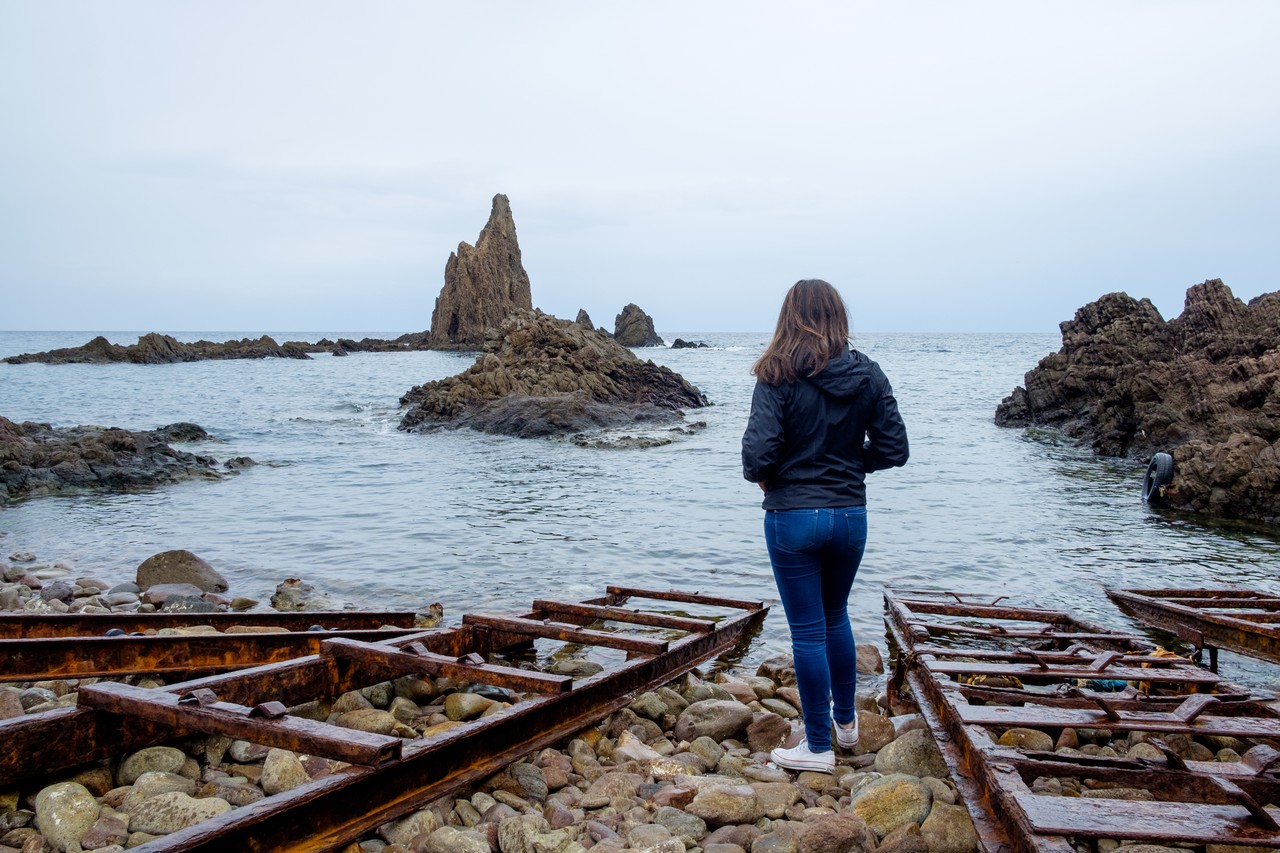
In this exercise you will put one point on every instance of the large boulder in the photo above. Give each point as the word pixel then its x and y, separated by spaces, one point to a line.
pixel 1204 386
pixel 634 328
pixel 483 284
pixel 542 376
pixel 180 567
pixel 37 459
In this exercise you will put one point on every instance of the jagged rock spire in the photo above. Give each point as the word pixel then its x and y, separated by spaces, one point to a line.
pixel 483 284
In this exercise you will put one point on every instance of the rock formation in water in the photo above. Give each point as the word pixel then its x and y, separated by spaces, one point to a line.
pixel 542 376
pixel 681 343
pixel 483 285
pixel 1204 386
pixel 37 459
pixel 634 328
pixel 153 348
pixel 408 342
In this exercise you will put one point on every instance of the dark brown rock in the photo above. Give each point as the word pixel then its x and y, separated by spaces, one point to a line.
pixel 543 376
pixel 154 348
pixel 1204 386
pixel 483 284
pixel 38 459
pixel 634 328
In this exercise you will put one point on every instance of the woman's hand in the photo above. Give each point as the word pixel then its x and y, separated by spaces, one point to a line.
pixel 762 488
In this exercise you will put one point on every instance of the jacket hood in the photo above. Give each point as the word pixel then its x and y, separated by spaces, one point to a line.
pixel 845 376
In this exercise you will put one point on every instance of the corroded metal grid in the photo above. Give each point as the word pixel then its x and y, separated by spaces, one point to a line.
pixel 977 667
pixel 1240 620
pixel 388 777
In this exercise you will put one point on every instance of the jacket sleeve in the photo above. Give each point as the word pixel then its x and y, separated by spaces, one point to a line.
pixel 886 445
pixel 762 442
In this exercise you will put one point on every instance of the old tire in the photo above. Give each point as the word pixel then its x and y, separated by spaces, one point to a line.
pixel 1159 473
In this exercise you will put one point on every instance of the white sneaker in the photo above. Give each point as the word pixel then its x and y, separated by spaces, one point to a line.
pixel 800 758
pixel 847 738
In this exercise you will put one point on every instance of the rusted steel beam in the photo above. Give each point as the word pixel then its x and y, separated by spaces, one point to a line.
pixel 622 594
pixel 82 657
pixel 621 614
pixel 1005 717
pixel 330 812
pixel 20 626
pixel 566 633
pixel 982 611
pixel 382 663
pixel 1048 633
pixel 1144 821
pixel 1027 672
pixel 1249 636
pixel 1065 656
pixel 239 721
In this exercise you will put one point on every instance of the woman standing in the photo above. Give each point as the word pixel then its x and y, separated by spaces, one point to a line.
pixel 822 417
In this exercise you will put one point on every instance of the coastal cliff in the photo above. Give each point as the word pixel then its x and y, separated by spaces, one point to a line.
pixel 1204 386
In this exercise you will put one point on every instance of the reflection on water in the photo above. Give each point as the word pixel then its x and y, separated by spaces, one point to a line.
pixel 487 523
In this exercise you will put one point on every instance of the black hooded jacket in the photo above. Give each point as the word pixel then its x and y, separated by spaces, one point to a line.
pixel 813 441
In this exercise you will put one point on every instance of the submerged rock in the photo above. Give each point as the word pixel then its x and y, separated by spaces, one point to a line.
pixel 154 348
pixel 634 328
pixel 1204 386
pixel 37 459
pixel 543 376
pixel 483 284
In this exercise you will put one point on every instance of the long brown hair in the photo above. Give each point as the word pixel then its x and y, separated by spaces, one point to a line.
pixel 813 328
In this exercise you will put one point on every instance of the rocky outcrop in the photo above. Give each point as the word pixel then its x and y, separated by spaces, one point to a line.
pixel 634 328
pixel 37 459
pixel 584 319
pixel 483 284
pixel 408 342
pixel 1204 386
pixel 542 376
pixel 154 348
pixel 681 343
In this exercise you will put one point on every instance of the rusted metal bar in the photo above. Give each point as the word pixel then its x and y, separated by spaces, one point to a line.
pixel 383 663
pixel 622 594
pixel 1028 672
pixel 619 614
pixel 81 657
pixel 227 718
pixel 567 633
pixel 329 812
pixel 1197 801
pixel 1185 613
pixel 21 626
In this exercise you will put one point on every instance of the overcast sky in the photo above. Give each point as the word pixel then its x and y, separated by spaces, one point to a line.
pixel 949 166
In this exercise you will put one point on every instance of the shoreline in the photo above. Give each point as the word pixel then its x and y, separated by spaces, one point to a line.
pixel 654 774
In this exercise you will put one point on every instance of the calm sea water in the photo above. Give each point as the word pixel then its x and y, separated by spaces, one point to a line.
pixel 383 518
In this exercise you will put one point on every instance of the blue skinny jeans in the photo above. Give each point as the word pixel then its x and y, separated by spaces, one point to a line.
pixel 815 554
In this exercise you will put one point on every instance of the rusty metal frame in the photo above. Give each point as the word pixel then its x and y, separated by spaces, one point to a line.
pixel 391 777
pixel 1041 657
pixel 1240 620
